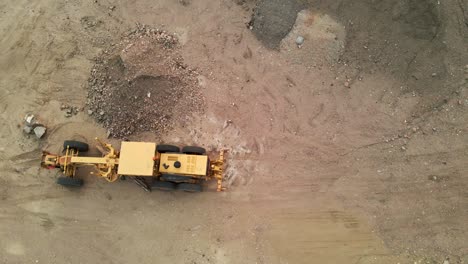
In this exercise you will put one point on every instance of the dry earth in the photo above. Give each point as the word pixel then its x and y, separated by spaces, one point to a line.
pixel 360 157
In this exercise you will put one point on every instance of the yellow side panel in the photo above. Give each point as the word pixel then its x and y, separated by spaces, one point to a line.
pixel 190 164
pixel 136 158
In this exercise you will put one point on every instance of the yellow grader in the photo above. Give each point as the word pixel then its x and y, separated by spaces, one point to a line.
pixel 151 166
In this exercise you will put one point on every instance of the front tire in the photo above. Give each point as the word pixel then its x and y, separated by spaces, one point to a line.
pixel 76 145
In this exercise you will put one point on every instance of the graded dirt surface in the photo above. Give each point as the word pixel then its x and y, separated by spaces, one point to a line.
pixel 355 160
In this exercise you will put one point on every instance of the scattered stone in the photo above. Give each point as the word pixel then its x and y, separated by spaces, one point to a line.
pixel 346 84
pixel 403 148
pixel 227 123
pixel 109 133
pixel 30 119
pixel 111 8
pixel 90 112
pixel 31 126
pixel 434 74
pixel 39 131
pixel 184 2
pixel 27 129
pixel 101 113
pixel 69 112
pixel 300 40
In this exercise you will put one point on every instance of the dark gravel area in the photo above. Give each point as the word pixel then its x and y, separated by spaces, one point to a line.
pixel 273 19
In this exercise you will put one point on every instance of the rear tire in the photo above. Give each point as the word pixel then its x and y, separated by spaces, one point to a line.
pixel 69 182
pixel 76 145
pixel 175 178
pixel 167 148
pixel 165 186
pixel 189 187
pixel 193 150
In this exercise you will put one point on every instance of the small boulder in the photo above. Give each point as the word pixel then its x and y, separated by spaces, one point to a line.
pixel 39 131
pixel 30 119
pixel 300 40
pixel 27 129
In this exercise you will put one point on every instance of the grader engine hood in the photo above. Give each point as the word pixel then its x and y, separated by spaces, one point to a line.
pixel 176 163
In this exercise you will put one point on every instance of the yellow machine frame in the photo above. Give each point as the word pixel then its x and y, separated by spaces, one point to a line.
pixel 107 165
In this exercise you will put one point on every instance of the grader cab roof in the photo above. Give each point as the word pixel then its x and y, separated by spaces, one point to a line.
pixel 137 158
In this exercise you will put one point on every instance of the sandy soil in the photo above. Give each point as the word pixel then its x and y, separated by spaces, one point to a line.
pixel 328 163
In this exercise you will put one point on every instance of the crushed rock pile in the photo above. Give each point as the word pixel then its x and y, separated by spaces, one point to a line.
pixel 142 85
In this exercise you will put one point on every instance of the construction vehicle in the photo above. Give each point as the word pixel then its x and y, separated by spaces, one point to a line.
pixel 151 166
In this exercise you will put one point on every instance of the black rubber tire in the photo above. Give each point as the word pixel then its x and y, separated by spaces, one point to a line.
pixel 193 150
pixel 165 186
pixel 69 182
pixel 175 178
pixel 189 187
pixel 76 145
pixel 167 148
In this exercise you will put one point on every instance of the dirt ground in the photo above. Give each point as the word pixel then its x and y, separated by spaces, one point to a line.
pixel 360 157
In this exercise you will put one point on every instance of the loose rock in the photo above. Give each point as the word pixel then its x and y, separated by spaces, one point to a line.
pixel 27 129
pixel 300 40
pixel 30 119
pixel 39 131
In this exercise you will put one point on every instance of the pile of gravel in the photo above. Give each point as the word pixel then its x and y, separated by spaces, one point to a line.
pixel 141 84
